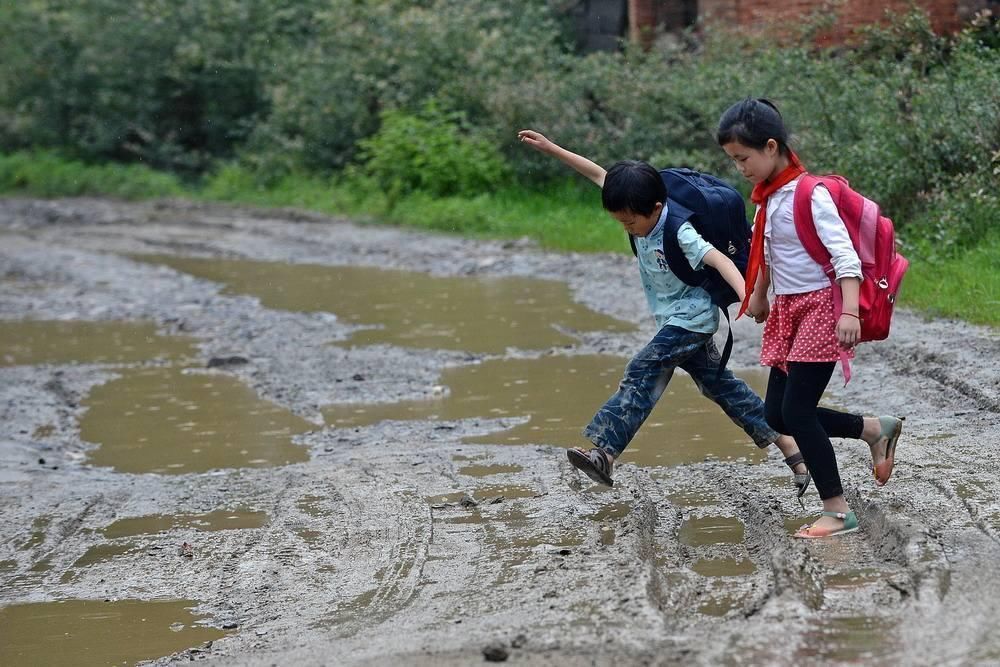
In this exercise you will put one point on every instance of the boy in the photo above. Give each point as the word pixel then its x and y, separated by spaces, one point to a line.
pixel 634 194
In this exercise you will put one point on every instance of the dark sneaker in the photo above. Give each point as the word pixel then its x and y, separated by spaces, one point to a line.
pixel 596 464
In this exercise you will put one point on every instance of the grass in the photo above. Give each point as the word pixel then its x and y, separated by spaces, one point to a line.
pixel 966 287
pixel 564 216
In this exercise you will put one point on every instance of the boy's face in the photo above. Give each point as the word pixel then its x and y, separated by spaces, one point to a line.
pixel 637 224
pixel 756 164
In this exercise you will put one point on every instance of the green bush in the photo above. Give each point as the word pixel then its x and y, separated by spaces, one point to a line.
pixel 432 152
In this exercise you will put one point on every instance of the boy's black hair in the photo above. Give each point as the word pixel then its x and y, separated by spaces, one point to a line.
pixel 752 122
pixel 631 185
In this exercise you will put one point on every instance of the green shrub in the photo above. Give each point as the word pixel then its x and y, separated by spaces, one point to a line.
pixel 433 152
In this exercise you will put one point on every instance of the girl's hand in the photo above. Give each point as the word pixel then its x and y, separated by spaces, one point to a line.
pixel 758 308
pixel 848 330
pixel 536 140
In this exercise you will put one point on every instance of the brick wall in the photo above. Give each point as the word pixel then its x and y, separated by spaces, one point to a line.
pixel 946 15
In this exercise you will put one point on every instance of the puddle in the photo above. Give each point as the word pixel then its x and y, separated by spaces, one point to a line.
pixel 723 567
pixel 310 505
pixel 103 553
pixel 8 565
pixel 854 578
pixel 793 523
pixel 846 638
pixel 309 536
pixel 693 498
pixel 472 313
pixel 93 632
pixel 496 491
pixel 37 534
pixel 210 522
pixel 43 565
pixel 707 530
pixel 720 606
pixel 446 498
pixel 54 342
pixel 560 394
pixel 166 421
pixel 487 470
pixel 613 511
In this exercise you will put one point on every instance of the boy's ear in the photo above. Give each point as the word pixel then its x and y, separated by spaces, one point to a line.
pixel 772 146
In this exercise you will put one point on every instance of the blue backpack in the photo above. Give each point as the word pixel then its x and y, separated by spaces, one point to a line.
pixel 717 213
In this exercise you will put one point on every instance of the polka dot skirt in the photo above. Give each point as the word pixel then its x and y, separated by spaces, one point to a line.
pixel 801 327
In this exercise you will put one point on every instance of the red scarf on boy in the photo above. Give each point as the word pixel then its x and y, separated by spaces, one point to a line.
pixel 759 196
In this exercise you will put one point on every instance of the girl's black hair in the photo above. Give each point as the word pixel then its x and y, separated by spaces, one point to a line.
pixel 633 186
pixel 752 122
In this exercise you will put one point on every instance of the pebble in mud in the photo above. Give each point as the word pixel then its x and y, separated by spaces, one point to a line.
pixel 496 652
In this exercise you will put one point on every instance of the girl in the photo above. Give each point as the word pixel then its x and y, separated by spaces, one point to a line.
pixel 803 336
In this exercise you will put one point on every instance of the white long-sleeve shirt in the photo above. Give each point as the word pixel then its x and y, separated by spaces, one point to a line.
pixel 793 271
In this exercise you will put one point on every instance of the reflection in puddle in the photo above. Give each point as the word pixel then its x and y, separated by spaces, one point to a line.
pixel 486 471
pixel 54 342
pixel 498 491
pixel 854 578
pixel 477 314
pixel 720 606
pixel 103 553
pixel 612 511
pixel 310 505
pixel 93 632
pixel 166 421
pixel 849 638
pixel 210 522
pixel 723 567
pixel 560 394
pixel 37 534
pixel 706 530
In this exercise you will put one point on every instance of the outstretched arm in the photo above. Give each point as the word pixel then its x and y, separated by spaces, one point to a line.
pixel 591 170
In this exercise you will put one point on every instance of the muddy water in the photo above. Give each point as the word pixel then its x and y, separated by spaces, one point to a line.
pixel 48 342
pixel 94 632
pixel 164 420
pixel 559 395
pixel 476 314
pixel 209 522
pixel 711 530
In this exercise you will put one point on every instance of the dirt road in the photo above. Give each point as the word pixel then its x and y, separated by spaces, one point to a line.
pixel 401 541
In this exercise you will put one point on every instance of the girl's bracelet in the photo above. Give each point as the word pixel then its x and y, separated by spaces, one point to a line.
pixel 857 317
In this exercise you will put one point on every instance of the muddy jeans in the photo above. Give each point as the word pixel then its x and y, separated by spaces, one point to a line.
pixel 647 375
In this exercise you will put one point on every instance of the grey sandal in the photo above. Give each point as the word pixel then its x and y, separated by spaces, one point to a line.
pixel 801 480
pixel 596 464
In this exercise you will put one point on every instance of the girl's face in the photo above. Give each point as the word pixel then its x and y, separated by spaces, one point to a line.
pixel 756 164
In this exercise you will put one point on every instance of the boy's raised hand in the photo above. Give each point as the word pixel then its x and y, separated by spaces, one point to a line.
pixel 585 167
pixel 536 140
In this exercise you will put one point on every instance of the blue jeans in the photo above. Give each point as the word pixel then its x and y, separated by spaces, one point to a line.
pixel 647 375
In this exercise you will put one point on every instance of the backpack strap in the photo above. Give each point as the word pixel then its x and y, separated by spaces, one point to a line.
pixel 805 228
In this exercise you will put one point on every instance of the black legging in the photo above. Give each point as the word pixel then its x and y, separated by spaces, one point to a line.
pixel 792 407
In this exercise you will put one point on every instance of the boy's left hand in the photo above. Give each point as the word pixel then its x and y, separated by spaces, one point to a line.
pixel 848 330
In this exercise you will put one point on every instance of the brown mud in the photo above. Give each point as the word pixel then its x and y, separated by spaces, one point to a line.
pixel 319 522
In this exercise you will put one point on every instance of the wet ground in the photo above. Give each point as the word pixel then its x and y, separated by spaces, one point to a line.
pixel 261 438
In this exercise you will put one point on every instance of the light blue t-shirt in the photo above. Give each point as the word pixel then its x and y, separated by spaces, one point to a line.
pixel 671 300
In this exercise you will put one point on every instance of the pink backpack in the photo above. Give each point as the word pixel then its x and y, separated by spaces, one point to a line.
pixel 874 240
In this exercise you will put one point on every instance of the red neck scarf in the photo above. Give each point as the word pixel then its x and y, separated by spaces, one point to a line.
pixel 761 192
